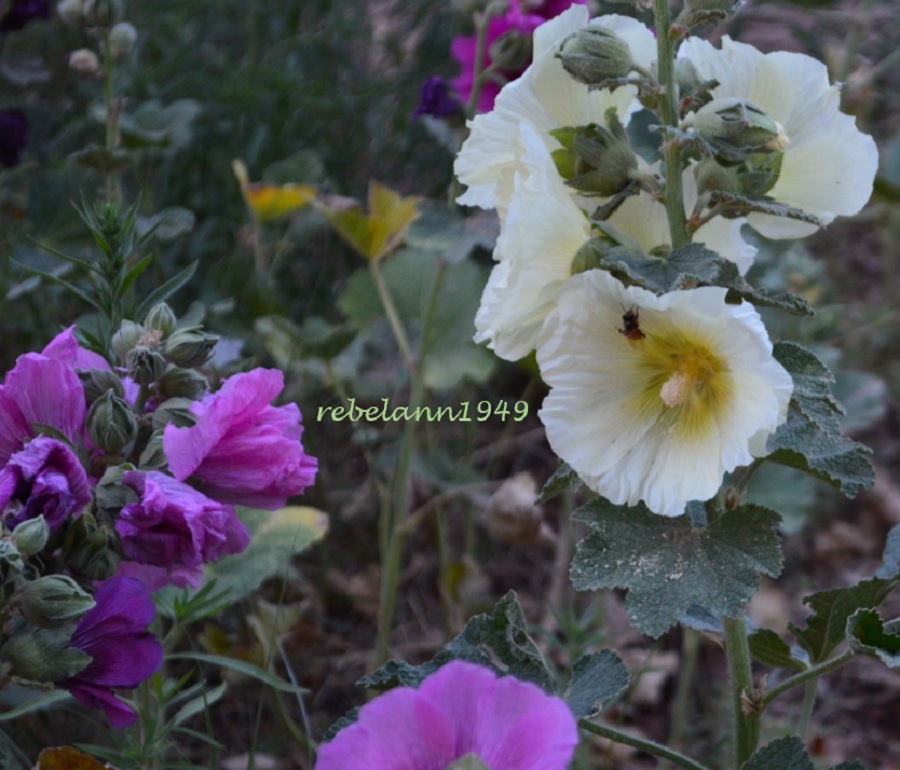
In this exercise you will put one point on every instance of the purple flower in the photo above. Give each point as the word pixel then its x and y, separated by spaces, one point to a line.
pixel 437 100
pixel 243 450
pixel 42 389
pixel 45 478
pixel 516 21
pixel 23 11
pixel 460 709
pixel 114 633
pixel 13 136
pixel 174 530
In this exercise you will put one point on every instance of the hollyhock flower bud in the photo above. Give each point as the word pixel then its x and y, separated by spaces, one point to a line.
pixel 10 558
pixel 173 530
pixel 243 450
pixel 190 347
pixel 111 423
pixel 84 62
pixel 43 479
pixel 96 382
pixel 461 716
pixel 122 38
pixel 595 160
pixel 174 411
pixel 145 365
pixel 88 549
pixel 102 13
pixel 736 129
pixel 13 136
pixel 595 54
pixel 182 383
pixel 31 536
pixel 126 338
pixel 511 51
pixel 161 318
pixel 42 655
pixel 71 12
pixel 52 601
pixel 123 654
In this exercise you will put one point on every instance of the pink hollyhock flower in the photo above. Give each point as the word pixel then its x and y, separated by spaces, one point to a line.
pixel 45 478
pixel 522 18
pixel 114 633
pixel 460 709
pixel 173 530
pixel 242 450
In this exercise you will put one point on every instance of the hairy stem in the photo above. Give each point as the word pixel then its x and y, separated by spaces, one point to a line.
pixel 651 747
pixel 737 652
pixel 805 676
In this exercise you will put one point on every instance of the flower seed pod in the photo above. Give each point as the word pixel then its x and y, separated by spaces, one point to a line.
pixel 161 318
pixel 111 423
pixel 190 347
pixel 734 129
pixel 31 535
pixel 52 601
pixel 595 54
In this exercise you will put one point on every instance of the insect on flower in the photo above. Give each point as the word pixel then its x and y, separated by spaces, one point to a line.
pixel 631 327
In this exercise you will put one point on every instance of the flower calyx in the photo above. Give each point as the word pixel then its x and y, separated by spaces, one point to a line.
pixel 595 160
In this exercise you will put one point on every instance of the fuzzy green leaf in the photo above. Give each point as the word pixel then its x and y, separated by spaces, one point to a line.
pixel 785 754
pixel 769 648
pixel 812 384
pixel 740 205
pixel 597 679
pixel 562 478
pixel 868 635
pixel 667 565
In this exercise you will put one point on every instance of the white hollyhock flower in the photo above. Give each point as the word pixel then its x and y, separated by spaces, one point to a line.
pixel 662 413
pixel 828 166
pixel 547 97
pixel 544 228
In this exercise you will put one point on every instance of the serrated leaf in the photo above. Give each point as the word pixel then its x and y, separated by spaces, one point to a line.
pixel 769 648
pixel 597 679
pixel 839 461
pixel 562 478
pixel 740 205
pixel 812 384
pixel 276 537
pixel 784 754
pixel 667 565
pixel 867 635
pixel 498 641
pixel 826 628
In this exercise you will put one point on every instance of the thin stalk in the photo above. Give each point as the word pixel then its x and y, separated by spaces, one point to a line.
pixel 805 676
pixel 651 747
pixel 690 651
pixel 390 310
pixel 481 30
pixel 669 109
pixel 399 509
pixel 737 652
pixel 809 702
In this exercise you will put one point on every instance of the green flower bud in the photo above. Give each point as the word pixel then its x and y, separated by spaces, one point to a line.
pixel 31 536
pixel 190 347
pixel 174 411
pixel 10 558
pixel 111 424
pixel 734 129
pixel 182 383
pixel 84 62
pixel 71 12
pixel 126 338
pixel 102 13
pixel 41 654
pixel 89 549
pixel 145 365
pixel 595 160
pixel 161 318
pixel 511 51
pixel 52 601
pixel 153 457
pixel 96 382
pixel 122 38
pixel 595 54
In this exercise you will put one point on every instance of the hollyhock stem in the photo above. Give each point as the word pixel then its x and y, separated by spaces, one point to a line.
pixel 393 318
pixel 737 652
pixel 481 31
pixel 810 674
pixel 669 108
pixel 651 747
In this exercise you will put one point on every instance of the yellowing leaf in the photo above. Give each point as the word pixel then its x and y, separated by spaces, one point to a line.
pixel 68 758
pixel 376 234
pixel 268 202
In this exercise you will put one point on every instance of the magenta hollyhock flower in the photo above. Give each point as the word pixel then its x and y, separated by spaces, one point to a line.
pixel 173 530
pixel 242 450
pixel 45 478
pixel 13 136
pixel 458 710
pixel 20 12
pixel 65 347
pixel 114 633
pixel 516 20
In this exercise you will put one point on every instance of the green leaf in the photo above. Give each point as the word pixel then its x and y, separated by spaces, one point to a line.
pixel 867 635
pixel 784 754
pixel 241 667
pixel 165 290
pixel 498 641
pixel 562 478
pixel 134 272
pixel 812 384
pixel 769 648
pixel 826 628
pixel 276 537
pixel 449 235
pixel 82 295
pixel 597 679
pixel 42 701
pixel 740 205
pixel 689 267
pixel 890 567
pixel 667 565
pixel 200 704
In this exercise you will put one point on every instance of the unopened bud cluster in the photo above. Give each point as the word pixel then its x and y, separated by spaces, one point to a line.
pixel 102 21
